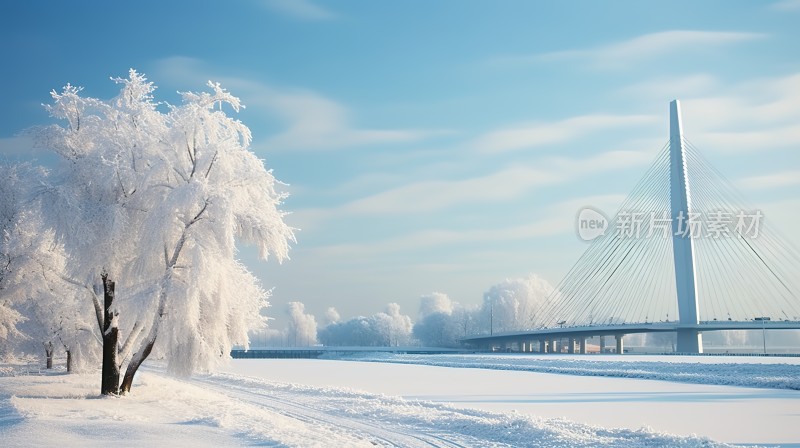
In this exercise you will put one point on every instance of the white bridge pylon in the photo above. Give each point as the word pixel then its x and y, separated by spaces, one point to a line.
pixel 689 339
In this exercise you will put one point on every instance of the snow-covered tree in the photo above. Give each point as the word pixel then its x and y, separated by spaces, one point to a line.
pixel 662 341
pixel 302 326
pixel 273 337
pixel 509 305
pixel 438 329
pixel 32 289
pixel 393 328
pixel 389 328
pixel 443 322
pixel 149 205
pixel 58 318
pixel 435 302
pixel 11 211
pixel 357 331
pixel 331 316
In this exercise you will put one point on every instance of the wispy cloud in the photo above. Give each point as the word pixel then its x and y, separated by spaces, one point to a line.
pixel 532 135
pixel 672 87
pixel 508 184
pixel 783 137
pixel 786 5
pixel 315 122
pixel 299 9
pixel 311 121
pixel 774 180
pixel 433 195
pixel 757 115
pixel 647 46
pixel 555 219
pixel 571 168
pixel 431 238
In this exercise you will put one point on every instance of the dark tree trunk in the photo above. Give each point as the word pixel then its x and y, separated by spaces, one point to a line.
pixel 48 351
pixel 133 366
pixel 69 361
pixel 110 379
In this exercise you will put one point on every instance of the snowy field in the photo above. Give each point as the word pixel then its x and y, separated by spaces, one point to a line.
pixel 731 414
pixel 332 403
pixel 750 371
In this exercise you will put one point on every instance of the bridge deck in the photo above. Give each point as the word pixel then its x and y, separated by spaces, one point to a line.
pixel 623 329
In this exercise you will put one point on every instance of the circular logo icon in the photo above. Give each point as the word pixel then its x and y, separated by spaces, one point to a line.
pixel 590 223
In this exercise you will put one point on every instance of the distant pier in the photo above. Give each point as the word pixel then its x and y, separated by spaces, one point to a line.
pixel 318 351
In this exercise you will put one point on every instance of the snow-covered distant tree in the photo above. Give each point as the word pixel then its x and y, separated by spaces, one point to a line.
pixel 437 330
pixel 149 205
pixel 267 337
pixel 302 327
pixel 389 328
pixel 442 322
pixel 732 338
pixel 358 331
pixel 509 305
pixel 435 302
pixel 32 288
pixel 393 327
pixel 58 320
pixel 11 211
pixel 9 317
pixel 665 341
pixel 331 316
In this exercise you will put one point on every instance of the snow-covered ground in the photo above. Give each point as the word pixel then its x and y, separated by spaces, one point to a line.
pixel 750 371
pixel 732 414
pixel 334 403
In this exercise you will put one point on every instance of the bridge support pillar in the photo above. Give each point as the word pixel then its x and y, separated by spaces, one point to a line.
pixel 620 349
pixel 542 346
pixel 553 347
pixel 571 348
pixel 582 348
pixel 689 341
pixel 602 344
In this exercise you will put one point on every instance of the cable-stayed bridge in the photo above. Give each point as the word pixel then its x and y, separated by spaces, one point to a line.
pixel 685 253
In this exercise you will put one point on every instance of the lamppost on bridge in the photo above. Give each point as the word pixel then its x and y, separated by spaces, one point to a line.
pixel 763 321
pixel 491 318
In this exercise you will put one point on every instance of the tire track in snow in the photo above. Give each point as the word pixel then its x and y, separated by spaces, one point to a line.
pixel 293 406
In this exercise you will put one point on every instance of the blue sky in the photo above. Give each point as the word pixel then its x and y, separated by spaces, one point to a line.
pixel 441 145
